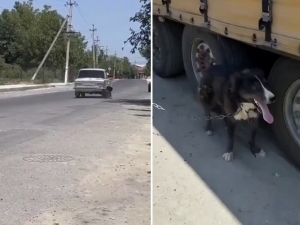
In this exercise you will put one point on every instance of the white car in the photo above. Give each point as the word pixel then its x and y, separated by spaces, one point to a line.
pixel 91 81
pixel 149 84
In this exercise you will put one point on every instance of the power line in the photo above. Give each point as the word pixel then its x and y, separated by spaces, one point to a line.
pixel 46 2
pixel 88 38
pixel 81 14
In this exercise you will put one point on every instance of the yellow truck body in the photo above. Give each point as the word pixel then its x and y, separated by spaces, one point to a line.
pixel 238 19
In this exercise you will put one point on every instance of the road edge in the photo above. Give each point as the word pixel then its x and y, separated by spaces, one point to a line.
pixel 25 88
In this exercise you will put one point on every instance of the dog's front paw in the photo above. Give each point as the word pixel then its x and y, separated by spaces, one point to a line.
pixel 228 156
pixel 209 132
pixel 261 153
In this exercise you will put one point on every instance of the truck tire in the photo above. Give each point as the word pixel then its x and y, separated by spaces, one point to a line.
pixel 284 81
pixel 196 41
pixel 167 55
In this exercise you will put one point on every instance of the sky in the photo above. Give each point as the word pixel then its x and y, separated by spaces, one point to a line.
pixel 110 17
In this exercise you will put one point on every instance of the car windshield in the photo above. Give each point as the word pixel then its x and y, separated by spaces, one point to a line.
pixel 91 74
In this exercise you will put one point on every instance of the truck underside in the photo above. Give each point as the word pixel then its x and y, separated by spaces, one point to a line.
pixel 179 38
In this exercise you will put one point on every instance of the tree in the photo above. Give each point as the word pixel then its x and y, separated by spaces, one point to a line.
pixel 140 40
pixel 146 53
pixel 127 68
pixel 26 34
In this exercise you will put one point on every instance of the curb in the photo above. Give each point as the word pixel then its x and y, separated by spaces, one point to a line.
pixel 25 88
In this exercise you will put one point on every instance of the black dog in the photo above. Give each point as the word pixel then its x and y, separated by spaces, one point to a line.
pixel 239 95
pixel 109 91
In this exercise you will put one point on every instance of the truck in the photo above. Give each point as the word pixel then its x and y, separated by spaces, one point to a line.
pixel 193 34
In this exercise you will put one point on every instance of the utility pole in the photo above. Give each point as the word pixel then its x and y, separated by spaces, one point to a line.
pixel 97 48
pixel 121 67
pixel 106 52
pixel 115 65
pixel 136 70
pixel 69 26
pixel 50 48
pixel 93 36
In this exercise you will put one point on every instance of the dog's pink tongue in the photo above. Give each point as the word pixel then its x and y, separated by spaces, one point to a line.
pixel 268 117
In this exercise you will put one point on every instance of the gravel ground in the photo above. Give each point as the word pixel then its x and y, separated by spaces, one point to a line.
pixel 75 161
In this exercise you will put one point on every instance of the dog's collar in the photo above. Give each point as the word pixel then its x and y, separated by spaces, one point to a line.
pixel 256 109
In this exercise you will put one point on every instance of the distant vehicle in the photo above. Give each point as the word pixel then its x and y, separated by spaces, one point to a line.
pixel 149 83
pixel 92 81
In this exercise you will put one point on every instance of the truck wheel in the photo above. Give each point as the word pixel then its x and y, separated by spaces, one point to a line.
pixel 167 55
pixel 284 81
pixel 77 94
pixel 82 94
pixel 200 49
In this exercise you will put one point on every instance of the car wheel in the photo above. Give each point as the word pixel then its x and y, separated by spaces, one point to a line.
pixel 77 94
pixel 104 94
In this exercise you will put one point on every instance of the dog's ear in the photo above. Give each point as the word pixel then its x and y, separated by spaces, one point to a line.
pixel 233 81
pixel 259 73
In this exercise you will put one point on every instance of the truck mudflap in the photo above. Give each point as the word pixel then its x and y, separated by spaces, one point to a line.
pixel 265 21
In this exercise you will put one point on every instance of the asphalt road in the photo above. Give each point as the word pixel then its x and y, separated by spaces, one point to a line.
pixel 75 161
pixel 193 185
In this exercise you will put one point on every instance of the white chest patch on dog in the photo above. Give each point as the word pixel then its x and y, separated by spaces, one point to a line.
pixel 246 111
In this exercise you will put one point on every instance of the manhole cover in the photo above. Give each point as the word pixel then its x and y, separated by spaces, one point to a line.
pixel 48 158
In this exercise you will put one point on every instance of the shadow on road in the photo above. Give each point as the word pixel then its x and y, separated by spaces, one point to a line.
pixel 91 96
pixel 255 190
pixel 138 102
pixel 142 115
pixel 141 110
